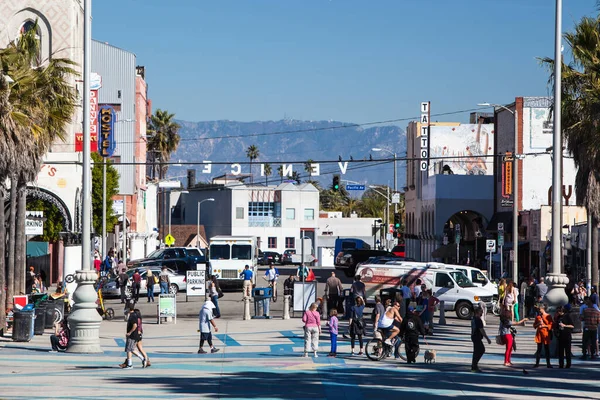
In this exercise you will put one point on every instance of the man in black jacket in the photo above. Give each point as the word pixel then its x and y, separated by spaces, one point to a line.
pixel 412 327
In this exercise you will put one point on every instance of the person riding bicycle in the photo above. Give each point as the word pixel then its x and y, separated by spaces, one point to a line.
pixel 386 323
pixel 411 328
pixel 271 276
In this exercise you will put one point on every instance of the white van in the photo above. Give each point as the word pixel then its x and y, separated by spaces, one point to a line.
pixel 475 275
pixel 449 285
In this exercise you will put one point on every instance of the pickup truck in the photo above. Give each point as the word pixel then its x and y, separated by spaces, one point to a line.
pixel 178 259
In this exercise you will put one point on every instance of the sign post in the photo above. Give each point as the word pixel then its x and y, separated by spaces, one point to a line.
pixel 457 240
pixel 169 240
pixel 501 244
pixel 196 283
pixel 167 307
pixel 490 246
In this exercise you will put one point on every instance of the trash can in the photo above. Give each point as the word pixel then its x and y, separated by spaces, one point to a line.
pixel 55 312
pixel 348 303
pixel 39 323
pixel 262 299
pixel 391 294
pixel 23 326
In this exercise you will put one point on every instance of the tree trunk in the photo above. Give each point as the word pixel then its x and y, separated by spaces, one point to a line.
pixel 10 279
pixel 3 301
pixel 20 239
pixel 594 251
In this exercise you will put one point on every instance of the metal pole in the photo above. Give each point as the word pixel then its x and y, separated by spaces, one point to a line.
pixel 490 266
pixel 125 230
pixel 588 251
pixel 198 228
pixel 395 184
pixel 104 209
pixel 515 263
pixel 302 264
pixel 84 319
pixel 457 252
pixel 387 218
pixel 556 295
pixel 501 262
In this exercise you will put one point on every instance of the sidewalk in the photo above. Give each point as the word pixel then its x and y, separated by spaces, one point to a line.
pixel 261 359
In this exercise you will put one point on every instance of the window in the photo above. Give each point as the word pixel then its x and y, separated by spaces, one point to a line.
pixel 219 252
pixel 478 277
pixel 241 252
pixel 290 213
pixel 309 213
pixel 239 213
pixel 443 280
pixel 272 243
pixel 290 243
pixel 260 209
pixel 170 253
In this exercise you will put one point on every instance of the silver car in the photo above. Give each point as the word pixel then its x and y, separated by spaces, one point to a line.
pixel 177 283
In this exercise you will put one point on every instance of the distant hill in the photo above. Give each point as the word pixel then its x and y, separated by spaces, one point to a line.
pixel 211 140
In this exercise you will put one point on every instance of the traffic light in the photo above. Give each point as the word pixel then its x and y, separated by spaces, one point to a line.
pixel 336 183
pixel 397 220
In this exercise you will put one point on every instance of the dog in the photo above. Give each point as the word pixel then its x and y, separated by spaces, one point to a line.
pixel 429 356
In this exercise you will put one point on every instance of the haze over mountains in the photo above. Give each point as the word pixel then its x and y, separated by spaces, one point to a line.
pixel 292 141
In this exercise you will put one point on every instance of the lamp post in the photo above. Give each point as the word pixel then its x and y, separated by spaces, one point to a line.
pixel 556 296
pixel 198 227
pixel 395 173
pixel 84 319
pixel 515 228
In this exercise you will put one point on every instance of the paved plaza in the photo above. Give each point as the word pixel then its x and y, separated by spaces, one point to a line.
pixel 260 359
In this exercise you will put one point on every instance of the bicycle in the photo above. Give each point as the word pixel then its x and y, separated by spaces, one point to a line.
pixel 496 308
pixel 377 350
pixel 273 285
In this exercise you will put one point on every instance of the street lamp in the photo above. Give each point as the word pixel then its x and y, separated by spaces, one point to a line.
pixel 198 228
pixel 515 230
pixel 395 176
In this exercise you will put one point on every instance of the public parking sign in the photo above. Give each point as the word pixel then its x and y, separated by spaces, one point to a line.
pixel 196 282
pixel 490 246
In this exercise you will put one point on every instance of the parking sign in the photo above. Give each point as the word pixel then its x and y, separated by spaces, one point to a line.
pixel 196 282
pixel 490 246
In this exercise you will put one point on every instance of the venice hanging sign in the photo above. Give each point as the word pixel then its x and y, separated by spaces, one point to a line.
pixel 106 125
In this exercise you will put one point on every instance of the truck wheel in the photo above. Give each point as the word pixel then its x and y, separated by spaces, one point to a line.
pixel 464 310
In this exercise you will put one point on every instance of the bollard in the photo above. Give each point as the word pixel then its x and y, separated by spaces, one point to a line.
pixel 286 306
pixel 442 314
pixel 246 308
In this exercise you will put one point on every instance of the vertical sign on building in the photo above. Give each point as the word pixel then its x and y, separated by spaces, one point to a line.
pixel 507 180
pixel 425 118
pixel 95 85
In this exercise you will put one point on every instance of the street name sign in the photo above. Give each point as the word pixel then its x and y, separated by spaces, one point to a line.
pixel 355 187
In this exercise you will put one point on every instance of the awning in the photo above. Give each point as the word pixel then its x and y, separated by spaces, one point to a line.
pixel 505 217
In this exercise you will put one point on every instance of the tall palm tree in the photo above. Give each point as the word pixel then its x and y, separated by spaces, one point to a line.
pixel 252 153
pixel 580 105
pixel 280 173
pixel 163 140
pixel 268 172
pixel 308 167
pixel 296 177
pixel 36 109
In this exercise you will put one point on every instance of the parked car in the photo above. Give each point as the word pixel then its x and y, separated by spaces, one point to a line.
pixel 351 258
pixel 179 259
pixel 399 250
pixel 178 283
pixel 286 257
pixel 268 257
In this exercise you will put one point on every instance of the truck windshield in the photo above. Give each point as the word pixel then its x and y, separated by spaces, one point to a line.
pixel 219 252
pixel 156 254
pixel 241 252
pixel 193 252
pixel 461 279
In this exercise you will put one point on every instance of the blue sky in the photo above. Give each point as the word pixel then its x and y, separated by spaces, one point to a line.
pixel 346 60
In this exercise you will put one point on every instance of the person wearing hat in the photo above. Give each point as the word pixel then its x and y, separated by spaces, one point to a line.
pixel 412 327
pixel 206 319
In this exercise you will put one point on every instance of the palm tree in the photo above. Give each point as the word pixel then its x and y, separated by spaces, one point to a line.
pixel 280 173
pixel 163 139
pixel 296 177
pixel 36 108
pixel 308 167
pixel 252 153
pixel 268 172
pixel 580 105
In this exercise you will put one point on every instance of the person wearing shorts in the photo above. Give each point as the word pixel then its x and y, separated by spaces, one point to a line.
pixel 131 338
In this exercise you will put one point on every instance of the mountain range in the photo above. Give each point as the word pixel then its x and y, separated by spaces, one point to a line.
pixel 292 141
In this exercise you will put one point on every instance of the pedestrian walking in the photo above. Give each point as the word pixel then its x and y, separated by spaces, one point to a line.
pixel 122 281
pixel 213 292
pixel 378 312
pixel 433 305
pixel 540 290
pixel 510 299
pixel 206 320
pixel 131 338
pixel 333 292
pixel 477 335
pixel 247 275
pixel 137 283
pixel 333 331
pixel 563 329
pixel 543 328
pixel 142 355
pixel 165 280
pixel 412 328
pixel 357 325
pixel 151 280
pixel 505 331
pixel 530 299
pixel 312 330
pixel 591 319
pixel 358 288
pixel 406 295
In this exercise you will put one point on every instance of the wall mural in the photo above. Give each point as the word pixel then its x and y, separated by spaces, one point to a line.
pixel 471 143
